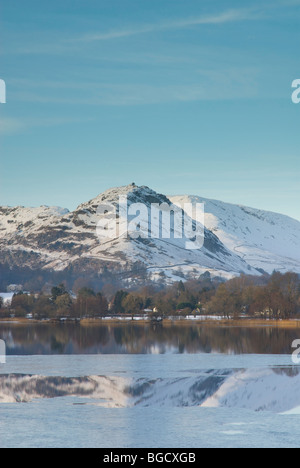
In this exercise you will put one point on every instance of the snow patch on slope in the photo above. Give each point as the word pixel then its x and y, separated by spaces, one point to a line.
pixel 266 240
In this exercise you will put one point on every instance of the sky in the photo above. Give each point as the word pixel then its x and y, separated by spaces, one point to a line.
pixel 186 97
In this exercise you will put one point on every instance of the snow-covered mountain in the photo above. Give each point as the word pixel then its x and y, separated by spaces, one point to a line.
pixel 55 239
pixel 265 240
pixel 236 239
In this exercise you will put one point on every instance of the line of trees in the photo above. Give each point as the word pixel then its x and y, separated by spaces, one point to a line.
pixel 276 296
pixel 57 305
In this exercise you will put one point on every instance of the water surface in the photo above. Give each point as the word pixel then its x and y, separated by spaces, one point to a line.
pixel 132 338
pixel 138 385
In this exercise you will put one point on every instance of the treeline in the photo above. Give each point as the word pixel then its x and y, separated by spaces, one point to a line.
pixel 57 305
pixel 275 296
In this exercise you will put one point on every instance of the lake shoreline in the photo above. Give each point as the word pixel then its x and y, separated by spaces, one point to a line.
pixel 168 321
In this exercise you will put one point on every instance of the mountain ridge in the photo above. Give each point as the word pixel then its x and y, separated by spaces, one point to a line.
pixel 54 239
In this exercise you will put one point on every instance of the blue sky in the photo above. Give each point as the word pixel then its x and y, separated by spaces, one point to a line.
pixel 183 96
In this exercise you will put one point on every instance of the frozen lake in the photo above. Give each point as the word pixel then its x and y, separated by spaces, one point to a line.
pixel 152 400
pixel 139 385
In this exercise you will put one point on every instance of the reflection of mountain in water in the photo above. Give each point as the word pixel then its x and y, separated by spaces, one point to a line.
pixel 265 389
pixel 144 339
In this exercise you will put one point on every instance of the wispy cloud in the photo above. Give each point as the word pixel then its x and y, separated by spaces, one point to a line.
pixel 10 126
pixel 144 94
pixel 70 45
pixel 221 18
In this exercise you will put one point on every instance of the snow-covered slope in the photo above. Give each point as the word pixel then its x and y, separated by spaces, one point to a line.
pixel 17 219
pixel 55 239
pixel 236 239
pixel 265 240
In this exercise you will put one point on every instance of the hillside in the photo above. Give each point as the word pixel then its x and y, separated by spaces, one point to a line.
pixel 56 240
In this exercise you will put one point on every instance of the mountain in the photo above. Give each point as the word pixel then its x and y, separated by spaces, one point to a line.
pixel 266 241
pixel 48 239
pixel 91 241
